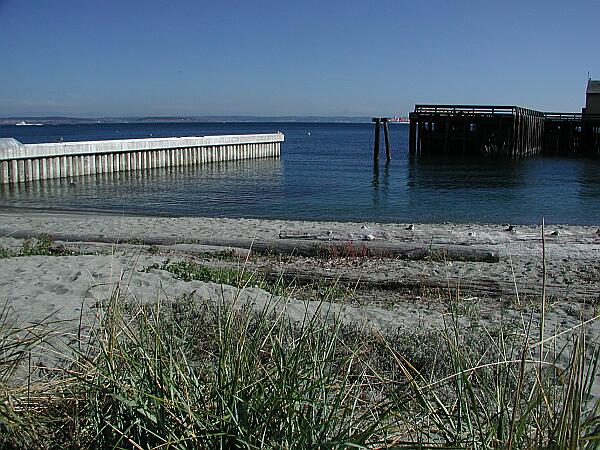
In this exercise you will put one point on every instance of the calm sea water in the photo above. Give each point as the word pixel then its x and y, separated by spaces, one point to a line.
pixel 325 173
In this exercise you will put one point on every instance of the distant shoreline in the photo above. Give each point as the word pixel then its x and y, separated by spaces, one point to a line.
pixel 59 120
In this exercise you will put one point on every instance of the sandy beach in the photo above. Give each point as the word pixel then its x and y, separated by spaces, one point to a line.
pixel 395 275
pixel 486 262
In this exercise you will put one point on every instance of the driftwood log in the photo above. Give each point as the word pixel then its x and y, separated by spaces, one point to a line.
pixel 302 247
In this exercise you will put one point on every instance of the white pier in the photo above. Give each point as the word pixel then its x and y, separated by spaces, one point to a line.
pixel 29 162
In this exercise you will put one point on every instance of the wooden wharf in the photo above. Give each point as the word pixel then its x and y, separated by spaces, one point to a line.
pixel 510 131
pixel 476 129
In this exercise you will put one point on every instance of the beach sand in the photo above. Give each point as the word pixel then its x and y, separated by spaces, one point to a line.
pixel 400 274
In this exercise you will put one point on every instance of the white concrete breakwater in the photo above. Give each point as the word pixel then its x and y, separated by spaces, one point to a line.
pixel 28 162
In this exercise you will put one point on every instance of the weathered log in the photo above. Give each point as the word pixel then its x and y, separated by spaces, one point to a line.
pixel 399 250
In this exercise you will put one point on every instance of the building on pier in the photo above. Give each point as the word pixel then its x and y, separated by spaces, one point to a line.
pixel 592 98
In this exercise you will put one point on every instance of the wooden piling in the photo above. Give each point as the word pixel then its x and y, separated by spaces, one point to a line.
pixel 388 150
pixel 412 137
pixel 377 122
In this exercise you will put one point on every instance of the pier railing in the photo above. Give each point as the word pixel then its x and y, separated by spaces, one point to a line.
pixel 474 110
pixel 572 116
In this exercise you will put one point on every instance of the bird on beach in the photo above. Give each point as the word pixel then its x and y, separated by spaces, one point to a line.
pixel 510 228
pixel 411 227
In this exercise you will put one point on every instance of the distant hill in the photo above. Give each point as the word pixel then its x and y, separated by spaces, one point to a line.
pixel 176 119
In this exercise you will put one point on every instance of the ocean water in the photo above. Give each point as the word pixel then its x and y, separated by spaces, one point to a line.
pixel 326 172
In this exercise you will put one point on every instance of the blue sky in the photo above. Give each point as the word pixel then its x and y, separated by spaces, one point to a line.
pixel 335 57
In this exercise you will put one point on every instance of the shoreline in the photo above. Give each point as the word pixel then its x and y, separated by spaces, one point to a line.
pixel 461 233
pixel 116 213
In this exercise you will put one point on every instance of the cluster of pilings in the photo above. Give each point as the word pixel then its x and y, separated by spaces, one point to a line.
pixel 30 162
pixel 527 132
pixel 501 130
pixel 388 151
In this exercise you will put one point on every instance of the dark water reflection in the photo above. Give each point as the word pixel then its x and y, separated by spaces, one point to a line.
pixel 326 172
pixel 438 172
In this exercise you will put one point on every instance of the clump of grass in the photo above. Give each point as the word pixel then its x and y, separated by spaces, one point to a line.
pixel 223 255
pixel 134 241
pixel 16 425
pixel 33 403
pixel 154 249
pixel 40 246
pixel 237 379
pixel 505 398
pixel 434 255
pixel 211 375
pixel 189 270
pixel 43 245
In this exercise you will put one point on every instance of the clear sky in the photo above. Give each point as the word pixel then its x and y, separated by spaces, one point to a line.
pixel 327 57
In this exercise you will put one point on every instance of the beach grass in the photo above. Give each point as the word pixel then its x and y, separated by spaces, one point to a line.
pixel 191 373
